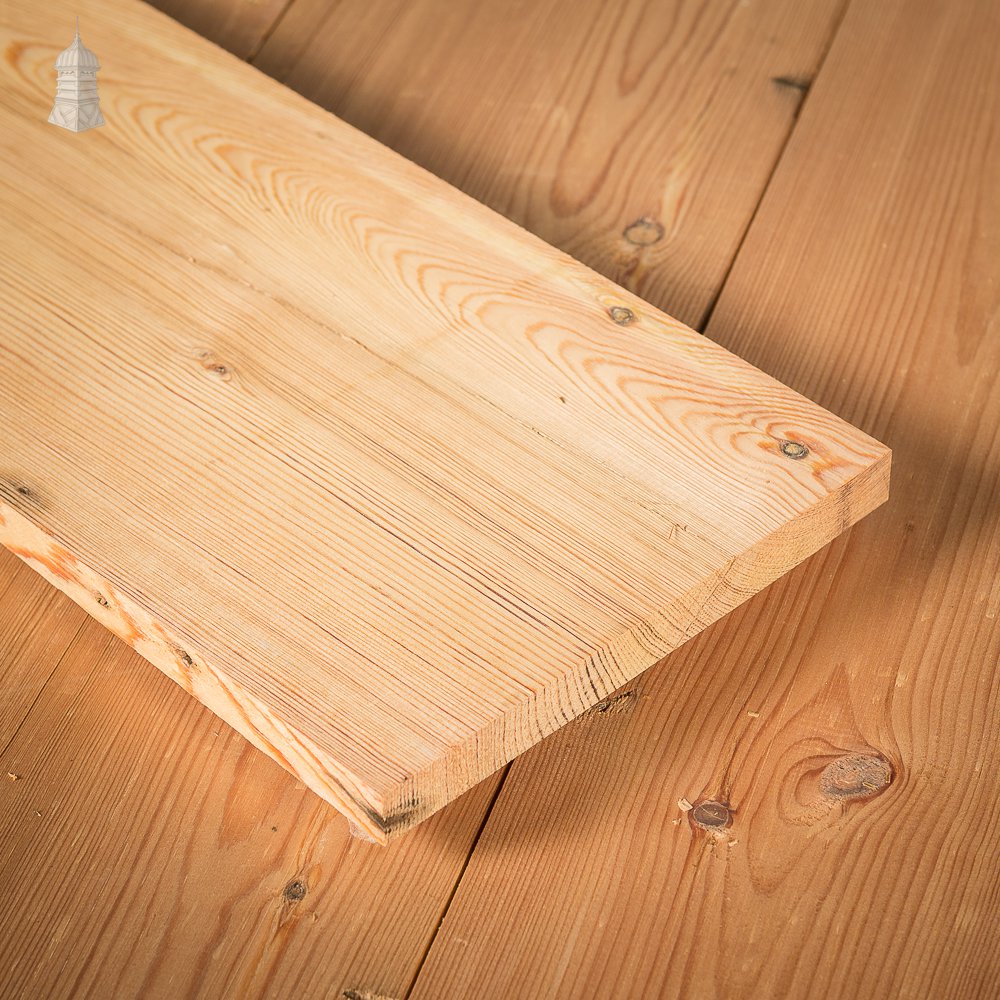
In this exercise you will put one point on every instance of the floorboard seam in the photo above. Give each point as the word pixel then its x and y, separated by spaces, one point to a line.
pixel 702 324
pixel 458 880
pixel 268 32
pixel 41 690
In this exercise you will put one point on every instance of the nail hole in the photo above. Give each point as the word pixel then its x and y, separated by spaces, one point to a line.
pixel 295 891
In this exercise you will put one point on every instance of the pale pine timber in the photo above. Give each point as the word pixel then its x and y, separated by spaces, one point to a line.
pixel 635 136
pixel 149 851
pixel 216 884
pixel 846 720
pixel 390 485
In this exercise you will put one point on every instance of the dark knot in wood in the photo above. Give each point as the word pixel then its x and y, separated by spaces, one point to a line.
pixel 295 891
pixel 710 814
pixel 856 776
pixel 644 232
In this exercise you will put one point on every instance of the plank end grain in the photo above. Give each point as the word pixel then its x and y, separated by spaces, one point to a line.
pixel 389 484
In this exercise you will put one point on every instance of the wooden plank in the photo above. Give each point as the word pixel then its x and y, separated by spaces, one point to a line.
pixel 36 625
pixel 133 868
pixel 373 962
pixel 392 486
pixel 167 817
pixel 376 958
pixel 637 137
pixel 845 723
pixel 371 933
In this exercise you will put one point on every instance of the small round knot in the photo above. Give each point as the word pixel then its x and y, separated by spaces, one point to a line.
pixel 794 449
pixel 214 365
pixel 644 232
pixel 711 814
pixel 621 315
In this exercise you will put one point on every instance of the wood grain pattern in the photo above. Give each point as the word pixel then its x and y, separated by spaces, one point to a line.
pixel 390 485
pixel 637 137
pixel 36 624
pixel 344 954
pixel 241 26
pixel 149 851
pixel 837 735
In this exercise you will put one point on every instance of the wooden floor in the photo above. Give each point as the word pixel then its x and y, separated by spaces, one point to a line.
pixel 803 800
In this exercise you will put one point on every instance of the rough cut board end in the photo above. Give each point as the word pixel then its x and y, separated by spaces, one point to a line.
pixel 391 486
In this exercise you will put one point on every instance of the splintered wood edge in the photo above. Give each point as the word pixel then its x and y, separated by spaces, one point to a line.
pixel 383 814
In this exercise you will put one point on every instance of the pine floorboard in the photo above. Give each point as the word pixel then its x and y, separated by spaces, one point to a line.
pixel 836 736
